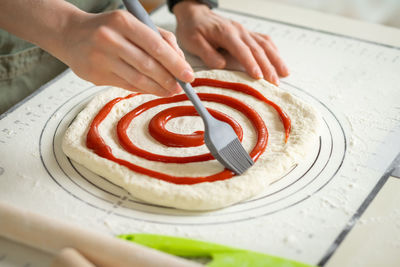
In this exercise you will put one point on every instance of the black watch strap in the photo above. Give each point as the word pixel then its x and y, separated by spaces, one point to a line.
pixel 209 3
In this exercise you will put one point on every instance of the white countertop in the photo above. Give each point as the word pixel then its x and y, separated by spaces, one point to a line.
pixel 347 69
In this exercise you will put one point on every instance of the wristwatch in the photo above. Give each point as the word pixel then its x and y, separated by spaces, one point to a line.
pixel 209 3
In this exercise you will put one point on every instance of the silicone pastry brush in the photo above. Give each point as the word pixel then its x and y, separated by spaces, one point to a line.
pixel 219 136
pixel 219 255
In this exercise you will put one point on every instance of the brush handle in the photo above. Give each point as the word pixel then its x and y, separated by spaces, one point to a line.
pixel 136 9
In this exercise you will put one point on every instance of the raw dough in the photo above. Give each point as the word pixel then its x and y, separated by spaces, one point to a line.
pixel 276 160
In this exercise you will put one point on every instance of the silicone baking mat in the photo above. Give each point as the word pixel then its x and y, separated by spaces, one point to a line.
pixel 354 84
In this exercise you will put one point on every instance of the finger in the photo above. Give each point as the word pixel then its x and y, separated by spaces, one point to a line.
pixel 115 80
pixel 268 38
pixel 152 69
pixel 208 54
pixel 112 79
pixel 171 40
pixel 159 49
pixel 273 55
pixel 237 48
pixel 142 62
pixel 138 80
pixel 267 68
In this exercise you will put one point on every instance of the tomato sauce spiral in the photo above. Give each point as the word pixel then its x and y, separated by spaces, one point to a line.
pixel 158 131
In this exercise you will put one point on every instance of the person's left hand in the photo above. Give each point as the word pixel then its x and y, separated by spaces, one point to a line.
pixel 202 32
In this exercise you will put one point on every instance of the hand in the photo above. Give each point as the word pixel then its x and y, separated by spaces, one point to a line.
pixel 116 49
pixel 202 32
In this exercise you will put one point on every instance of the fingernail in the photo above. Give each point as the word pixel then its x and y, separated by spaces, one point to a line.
pixel 170 83
pixel 182 54
pixel 285 70
pixel 257 73
pixel 188 75
pixel 275 80
pixel 167 94
pixel 176 88
pixel 219 64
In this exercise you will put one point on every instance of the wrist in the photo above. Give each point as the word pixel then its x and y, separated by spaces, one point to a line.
pixel 187 8
pixel 58 36
pixel 209 3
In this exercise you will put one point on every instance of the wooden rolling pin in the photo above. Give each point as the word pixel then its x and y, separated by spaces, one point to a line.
pixel 53 235
pixel 69 257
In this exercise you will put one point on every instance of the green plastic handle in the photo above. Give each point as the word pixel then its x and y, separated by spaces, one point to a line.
pixel 221 256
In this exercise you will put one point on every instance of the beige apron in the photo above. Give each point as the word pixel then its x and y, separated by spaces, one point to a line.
pixel 24 67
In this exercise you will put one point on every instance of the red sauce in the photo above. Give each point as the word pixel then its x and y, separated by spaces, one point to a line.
pixel 158 131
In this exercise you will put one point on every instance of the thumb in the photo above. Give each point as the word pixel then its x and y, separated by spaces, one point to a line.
pixel 210 56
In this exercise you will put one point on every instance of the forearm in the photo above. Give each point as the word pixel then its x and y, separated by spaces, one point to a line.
pixel 41 22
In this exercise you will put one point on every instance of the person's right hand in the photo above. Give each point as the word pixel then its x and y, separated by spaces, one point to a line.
pixel 116 49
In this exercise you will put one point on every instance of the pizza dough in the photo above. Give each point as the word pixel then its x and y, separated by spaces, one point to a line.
pixel 277 159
